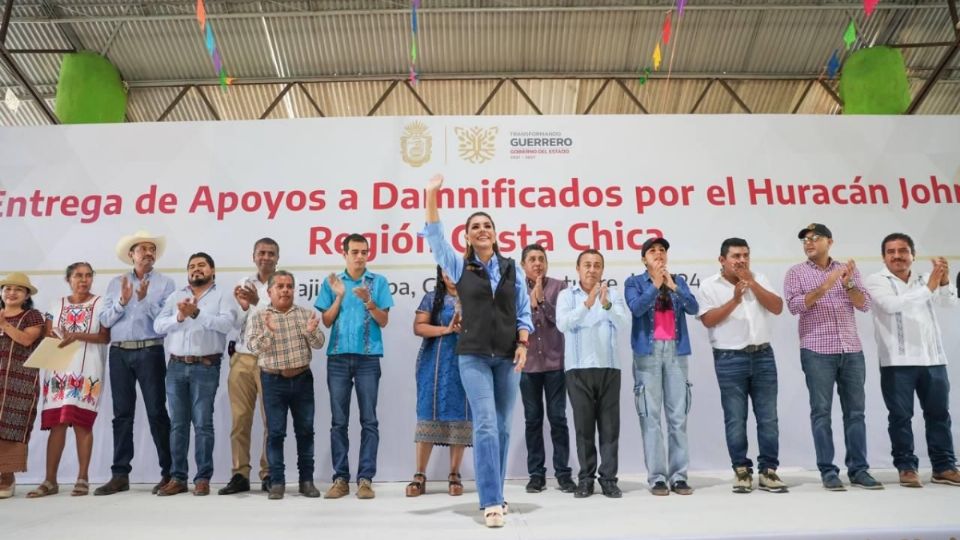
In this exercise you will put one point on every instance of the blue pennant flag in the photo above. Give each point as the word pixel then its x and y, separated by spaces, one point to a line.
pixel 210 43
pixel 833 66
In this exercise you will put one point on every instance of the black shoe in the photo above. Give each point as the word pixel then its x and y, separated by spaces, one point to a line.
pixel 308 489
pixel 610 489
pixel 660 489
pixel 584 490
pixel 265 485
pixel 680 487
pixel 276 492
pixel 566 484
pixel 536 484
pixel 237 484
pixel 115 485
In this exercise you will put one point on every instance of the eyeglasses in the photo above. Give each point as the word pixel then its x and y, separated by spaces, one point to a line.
pixel 810 239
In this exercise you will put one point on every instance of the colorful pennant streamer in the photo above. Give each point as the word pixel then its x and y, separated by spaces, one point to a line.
pixel 833 65
pixel 414 38
pixel 680 5
pixel 11 100
pixel 211 44
pixel 666 29
pixel 657 57
pixel 850 35
pixel 644 76
pixel 869 6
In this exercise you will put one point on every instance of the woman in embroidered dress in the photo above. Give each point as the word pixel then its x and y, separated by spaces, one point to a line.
pixel 71 397
pixel 20 329
pixel 443 417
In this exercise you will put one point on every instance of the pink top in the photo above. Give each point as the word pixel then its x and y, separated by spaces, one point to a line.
pixel 664 325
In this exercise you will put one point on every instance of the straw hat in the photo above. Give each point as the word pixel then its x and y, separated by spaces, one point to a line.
pixel 18 279
pixel 127 242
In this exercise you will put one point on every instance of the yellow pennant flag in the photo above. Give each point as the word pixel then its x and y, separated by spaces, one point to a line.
pixel 657 57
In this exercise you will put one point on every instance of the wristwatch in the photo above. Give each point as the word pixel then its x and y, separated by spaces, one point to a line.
pixel 849 285
pixel 195 313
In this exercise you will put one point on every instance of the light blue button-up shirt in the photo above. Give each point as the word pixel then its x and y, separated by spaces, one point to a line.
pixel 452 263
pixel 355 331
pixel 134 322
pixel 590 335
pixel 207 334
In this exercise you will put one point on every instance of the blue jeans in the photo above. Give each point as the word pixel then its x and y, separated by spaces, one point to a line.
pixel 742 376
pixel 296 395
pixel 933 390
pixel 191 391
pixel 660 381
pixel 343 371
pixel 491 387
pixel 534 389
pixel 147 367
pixel 847 370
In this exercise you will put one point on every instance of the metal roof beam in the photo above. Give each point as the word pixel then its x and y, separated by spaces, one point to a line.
pixel 735 97
pixel 625 75
pixel 526 97
pixel 596 96
pixel 310 99
pixel 5 21
pixel 803 96
pixel 383 97
pixel 416 95
pixel 276 101
pixel 937 73
pixel 14 70
pixel 69 34
pixel 298 14
pixel 176 100
pixel 633 98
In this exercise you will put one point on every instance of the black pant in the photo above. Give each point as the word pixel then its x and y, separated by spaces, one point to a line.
pixel 534 388
pixel 595 397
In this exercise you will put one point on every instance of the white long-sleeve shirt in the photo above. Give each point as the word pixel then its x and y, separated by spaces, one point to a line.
pixel 904 321
pixel 590 334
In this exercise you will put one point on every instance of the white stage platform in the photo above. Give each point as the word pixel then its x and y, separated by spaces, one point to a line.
pixel 713 511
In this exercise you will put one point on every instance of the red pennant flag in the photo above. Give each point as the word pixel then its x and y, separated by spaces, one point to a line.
pixel 666 28
pixel 869 6
pixel 202 13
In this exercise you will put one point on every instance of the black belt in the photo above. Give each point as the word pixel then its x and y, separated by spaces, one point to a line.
pixel 207 360
pixel 755 348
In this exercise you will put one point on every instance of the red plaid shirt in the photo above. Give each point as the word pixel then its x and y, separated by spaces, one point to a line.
pixel 828 326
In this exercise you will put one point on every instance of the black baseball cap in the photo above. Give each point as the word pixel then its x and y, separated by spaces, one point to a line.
pixel 815 228
pixel 650 242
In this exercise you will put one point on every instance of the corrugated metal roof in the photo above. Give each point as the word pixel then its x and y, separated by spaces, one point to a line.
pixel 347 52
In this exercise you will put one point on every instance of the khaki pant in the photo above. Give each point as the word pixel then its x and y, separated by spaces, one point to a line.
pixel 243 385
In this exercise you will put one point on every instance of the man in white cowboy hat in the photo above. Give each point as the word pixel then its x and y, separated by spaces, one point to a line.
pixel 132 302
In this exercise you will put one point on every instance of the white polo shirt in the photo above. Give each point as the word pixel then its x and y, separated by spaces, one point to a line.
pixel 748 324
pixel 905 324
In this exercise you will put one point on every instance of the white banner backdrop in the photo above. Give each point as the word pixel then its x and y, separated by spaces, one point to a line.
pixel 68 193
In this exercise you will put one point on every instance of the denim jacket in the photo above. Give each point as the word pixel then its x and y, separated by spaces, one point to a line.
pixel 641 296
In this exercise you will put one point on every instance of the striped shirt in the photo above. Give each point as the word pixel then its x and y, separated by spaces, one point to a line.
pixel 290 346
pixel 828 326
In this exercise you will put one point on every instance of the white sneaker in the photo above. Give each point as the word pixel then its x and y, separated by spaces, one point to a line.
pixel 769 481
pixel 743 482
